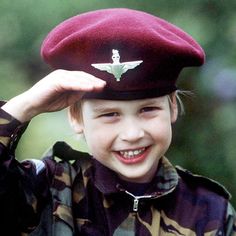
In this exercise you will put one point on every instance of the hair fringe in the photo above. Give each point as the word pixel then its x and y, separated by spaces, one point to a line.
pixel 182 93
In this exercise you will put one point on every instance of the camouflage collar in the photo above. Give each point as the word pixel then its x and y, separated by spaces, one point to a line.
pixel 164 182
pixel 108 182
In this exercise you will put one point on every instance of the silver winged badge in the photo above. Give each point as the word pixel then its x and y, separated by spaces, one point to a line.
pixel 116 68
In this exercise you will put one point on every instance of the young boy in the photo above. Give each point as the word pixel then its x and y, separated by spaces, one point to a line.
pixel 116 69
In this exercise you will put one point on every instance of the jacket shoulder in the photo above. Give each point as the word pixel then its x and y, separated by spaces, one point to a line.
pixel 61 153
pixel 199 181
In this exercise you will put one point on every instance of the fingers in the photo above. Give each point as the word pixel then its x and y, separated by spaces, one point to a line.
pixel 76 81
pixel 54 92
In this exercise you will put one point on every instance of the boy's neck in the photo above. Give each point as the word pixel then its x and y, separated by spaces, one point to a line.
pixel 136 189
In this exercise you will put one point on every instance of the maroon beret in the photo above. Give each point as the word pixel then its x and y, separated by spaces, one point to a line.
pixel 139 55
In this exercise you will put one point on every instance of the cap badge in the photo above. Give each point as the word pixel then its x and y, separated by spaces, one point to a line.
pixel 116 68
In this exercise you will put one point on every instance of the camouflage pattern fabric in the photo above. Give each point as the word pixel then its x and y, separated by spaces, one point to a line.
pixel 82 197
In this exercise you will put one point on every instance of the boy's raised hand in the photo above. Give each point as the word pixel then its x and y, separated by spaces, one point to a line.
pixel 56 91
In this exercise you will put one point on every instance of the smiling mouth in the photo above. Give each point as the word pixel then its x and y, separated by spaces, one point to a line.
pixel 132 153
pixel 133 156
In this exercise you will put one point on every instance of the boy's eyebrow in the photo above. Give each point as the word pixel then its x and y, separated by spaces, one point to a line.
pixel 151 102
pixel 103 108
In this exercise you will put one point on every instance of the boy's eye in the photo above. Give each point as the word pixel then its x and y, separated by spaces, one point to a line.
pixel 110 114
pixel 148 109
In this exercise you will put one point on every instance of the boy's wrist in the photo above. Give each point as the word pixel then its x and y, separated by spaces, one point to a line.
pixel 11 129
pixel 19 108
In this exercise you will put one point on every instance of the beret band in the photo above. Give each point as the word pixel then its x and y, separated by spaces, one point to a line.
pixel 130 95
pixel 139 55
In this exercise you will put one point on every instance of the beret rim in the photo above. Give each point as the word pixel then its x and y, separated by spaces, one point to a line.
pixel 107 94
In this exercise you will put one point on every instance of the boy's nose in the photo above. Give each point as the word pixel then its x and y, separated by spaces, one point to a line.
pixel 131 132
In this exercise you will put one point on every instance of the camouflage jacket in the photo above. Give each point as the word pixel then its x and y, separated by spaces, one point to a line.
pixel 70 193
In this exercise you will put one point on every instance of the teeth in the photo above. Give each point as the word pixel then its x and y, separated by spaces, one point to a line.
pixel 131 154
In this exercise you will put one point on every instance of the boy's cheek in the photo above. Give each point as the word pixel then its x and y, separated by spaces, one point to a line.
pixel 96 143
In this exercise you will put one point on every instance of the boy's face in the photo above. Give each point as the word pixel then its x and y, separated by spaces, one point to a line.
pixel 129 137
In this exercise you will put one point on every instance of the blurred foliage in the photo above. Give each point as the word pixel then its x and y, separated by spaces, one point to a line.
pixel 204 139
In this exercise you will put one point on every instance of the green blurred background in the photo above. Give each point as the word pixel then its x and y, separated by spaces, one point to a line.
pixel 204 138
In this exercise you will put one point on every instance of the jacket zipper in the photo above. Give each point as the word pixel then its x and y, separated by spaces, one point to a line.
pixel 136 200
pixel 135 204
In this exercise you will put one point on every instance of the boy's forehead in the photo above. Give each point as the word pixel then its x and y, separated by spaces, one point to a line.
pixel 138 55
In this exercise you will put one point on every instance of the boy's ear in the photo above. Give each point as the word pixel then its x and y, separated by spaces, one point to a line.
pixel 75 119
pixel 173 107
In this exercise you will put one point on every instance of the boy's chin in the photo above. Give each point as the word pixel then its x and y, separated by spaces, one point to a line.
pixel 136 178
